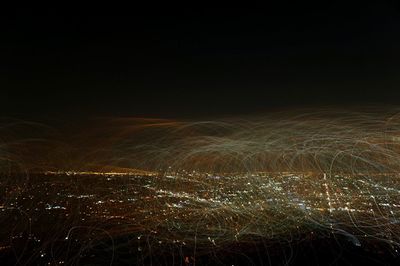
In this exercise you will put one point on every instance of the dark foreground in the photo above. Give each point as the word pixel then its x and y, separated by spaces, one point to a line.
pixel 327 251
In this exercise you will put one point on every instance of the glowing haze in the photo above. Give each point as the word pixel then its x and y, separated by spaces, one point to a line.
pixel 322 141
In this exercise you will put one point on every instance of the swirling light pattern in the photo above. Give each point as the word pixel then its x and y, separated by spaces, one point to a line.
pixel 142 188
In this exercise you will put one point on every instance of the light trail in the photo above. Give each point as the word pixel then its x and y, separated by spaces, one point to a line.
pixel 204 185
pixel 328 196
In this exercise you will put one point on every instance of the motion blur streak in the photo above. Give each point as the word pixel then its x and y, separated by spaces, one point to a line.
pixel 203 185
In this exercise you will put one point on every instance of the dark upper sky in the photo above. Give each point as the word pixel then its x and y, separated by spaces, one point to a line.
pixel 161 61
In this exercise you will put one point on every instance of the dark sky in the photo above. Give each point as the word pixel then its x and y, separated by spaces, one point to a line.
pixel 170 62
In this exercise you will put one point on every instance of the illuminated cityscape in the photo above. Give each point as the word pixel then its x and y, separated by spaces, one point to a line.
pixel 205 135
pixel 195 211
pixel 199 188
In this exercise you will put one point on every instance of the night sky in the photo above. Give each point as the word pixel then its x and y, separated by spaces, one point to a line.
pixel 161 61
